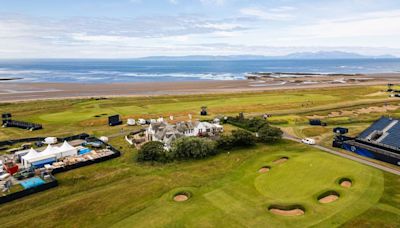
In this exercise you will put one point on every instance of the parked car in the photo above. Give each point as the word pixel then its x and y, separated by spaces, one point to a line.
pixel 24 174
pixel 308 141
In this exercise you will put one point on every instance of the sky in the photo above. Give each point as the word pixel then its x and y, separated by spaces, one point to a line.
pixel 139 28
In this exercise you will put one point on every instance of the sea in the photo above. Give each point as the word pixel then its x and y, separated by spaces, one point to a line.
pixel 117 71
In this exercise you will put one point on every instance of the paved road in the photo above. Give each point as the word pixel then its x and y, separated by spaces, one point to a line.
pixel 354 158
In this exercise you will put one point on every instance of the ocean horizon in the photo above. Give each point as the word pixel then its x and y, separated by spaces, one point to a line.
pixel 119 70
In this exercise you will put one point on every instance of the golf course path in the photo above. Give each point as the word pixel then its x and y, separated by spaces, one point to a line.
pixel 360 160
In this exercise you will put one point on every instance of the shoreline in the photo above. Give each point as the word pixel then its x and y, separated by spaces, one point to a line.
pixel 11 92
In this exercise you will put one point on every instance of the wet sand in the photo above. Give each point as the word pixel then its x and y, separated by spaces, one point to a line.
pixel 20 91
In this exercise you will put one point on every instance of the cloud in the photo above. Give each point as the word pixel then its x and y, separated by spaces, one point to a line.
pixel 381 23
pixel 245 32
pixel 213 2
pixel 274 14
pixel 149 27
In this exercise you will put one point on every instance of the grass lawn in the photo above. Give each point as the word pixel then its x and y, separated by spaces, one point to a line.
pixel 227 190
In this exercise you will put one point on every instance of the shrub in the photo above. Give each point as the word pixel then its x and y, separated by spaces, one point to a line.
pixel 268 134
pixel 225 142
pixel 193 148
pixel 253 124
pixel 242 138
pixel 153 151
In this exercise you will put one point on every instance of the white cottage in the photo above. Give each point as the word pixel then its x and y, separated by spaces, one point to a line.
pixel 167 133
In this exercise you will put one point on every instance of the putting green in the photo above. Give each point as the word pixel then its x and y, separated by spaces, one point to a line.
pixel 310 173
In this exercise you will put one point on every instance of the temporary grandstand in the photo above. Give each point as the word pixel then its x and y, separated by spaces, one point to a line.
pixel 9 122
pixel 380 141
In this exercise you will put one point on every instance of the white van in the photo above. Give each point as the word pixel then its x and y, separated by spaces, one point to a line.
pixel 308 141
pixel 4 176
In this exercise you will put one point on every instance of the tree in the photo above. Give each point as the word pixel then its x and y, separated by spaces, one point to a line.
pixel 193 148
pixel 268 134
pixel 242 138
pixel 153 151
pixel 225 142
pixel 255 124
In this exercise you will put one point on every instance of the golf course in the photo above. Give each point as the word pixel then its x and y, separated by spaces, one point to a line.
pixel 277 185
pixel 243 196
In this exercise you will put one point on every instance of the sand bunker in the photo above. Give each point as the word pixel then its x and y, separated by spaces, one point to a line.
pixel 328 197
pixel 294 210
pixel 182 196
pixel 264 169
pixel 345 183
pixel 281 160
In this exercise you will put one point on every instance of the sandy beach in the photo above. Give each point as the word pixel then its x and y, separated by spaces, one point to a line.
pixel 19 91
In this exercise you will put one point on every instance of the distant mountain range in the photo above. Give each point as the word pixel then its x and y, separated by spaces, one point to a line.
pixel 293 56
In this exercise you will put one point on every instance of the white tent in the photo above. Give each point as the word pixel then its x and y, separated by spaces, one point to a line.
pixel 50 150
pixel 131 122
pixel 104 139
pixel 34 156
pixel 59 152
pixel 31 154
pixel 66 150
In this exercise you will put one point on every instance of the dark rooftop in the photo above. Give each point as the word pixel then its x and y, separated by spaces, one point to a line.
pixel 385 131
